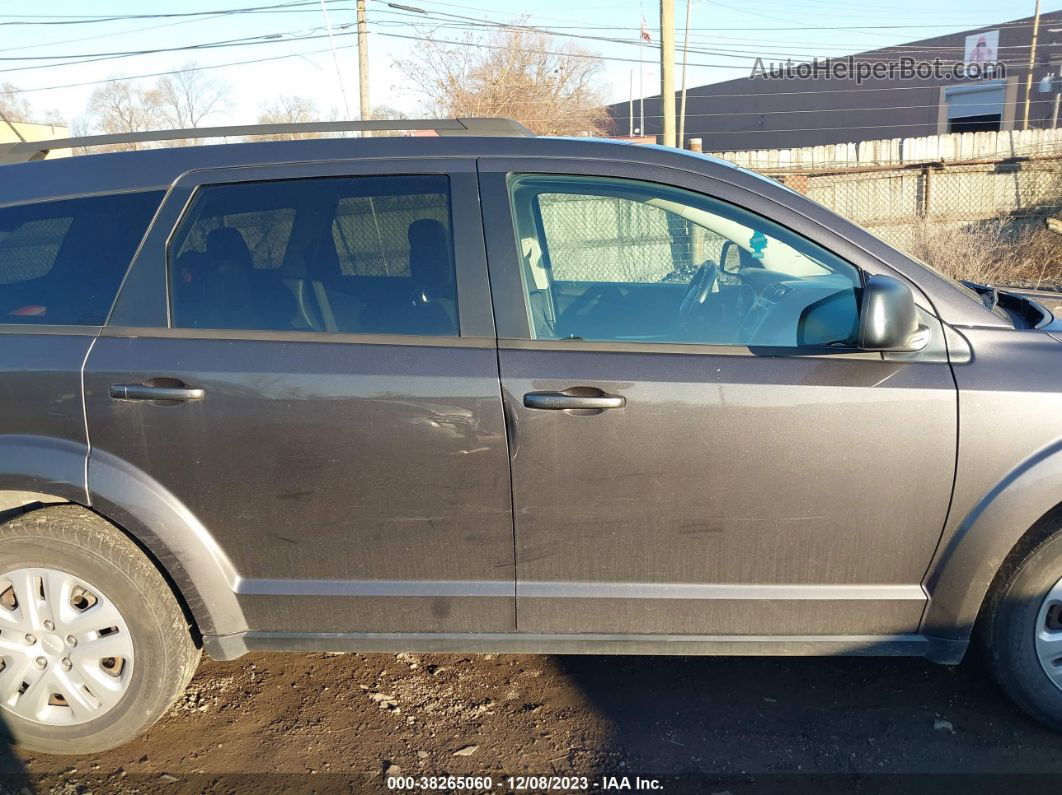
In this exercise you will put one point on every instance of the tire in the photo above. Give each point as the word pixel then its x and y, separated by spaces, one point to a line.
pixel 1015 618
pixel 66 557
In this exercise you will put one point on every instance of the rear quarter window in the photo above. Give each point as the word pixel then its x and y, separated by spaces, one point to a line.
pixel 61 262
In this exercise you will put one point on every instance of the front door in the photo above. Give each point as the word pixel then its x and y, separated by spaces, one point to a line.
pixel 698 446
pixel 321 392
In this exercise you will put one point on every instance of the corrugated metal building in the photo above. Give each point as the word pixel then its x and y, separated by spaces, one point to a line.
pixel 829 102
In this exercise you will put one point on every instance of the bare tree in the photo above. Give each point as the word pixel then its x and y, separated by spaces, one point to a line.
pixel 187 97
pixel 122 106
pixel 522 74
pixel 289 110
pixel 386 112
pixel 14 105
pixel 80 127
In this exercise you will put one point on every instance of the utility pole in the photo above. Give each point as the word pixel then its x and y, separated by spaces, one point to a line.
pixel 1032 65
pixel 363 65
pixel 685 58
pixel 667 67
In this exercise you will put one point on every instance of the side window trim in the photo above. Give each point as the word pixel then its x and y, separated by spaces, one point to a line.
pixel 142 304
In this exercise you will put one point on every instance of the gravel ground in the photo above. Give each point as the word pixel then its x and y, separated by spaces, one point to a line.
pixel 326 723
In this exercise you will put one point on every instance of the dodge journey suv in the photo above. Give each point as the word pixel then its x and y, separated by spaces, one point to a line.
pixel 490 392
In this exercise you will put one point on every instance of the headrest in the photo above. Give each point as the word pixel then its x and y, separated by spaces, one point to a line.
pixel 226 243
pixel 429 254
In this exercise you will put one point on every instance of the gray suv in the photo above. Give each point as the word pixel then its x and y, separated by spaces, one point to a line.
pixel 486 392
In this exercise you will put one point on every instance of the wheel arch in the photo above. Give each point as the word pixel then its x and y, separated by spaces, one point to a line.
pixel 1018 512
pixel 182 547
pixel 39 471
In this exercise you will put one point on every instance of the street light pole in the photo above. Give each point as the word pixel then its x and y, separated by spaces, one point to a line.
pixel 630 108
pixel 1032 66
pixel 667 68
pixel 685 58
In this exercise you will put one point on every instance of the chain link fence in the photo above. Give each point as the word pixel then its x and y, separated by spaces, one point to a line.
pixel 612 239
pixel 30 249
pixel 981 221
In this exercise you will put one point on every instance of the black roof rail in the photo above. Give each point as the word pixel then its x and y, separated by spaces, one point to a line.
pixel 24 151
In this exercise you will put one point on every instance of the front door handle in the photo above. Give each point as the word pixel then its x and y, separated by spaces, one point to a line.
pixel 149 392
pixel 560 401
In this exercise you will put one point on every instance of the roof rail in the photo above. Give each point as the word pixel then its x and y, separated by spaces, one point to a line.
pixel 37 150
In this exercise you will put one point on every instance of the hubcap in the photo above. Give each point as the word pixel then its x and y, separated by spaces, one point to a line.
pixel 66 655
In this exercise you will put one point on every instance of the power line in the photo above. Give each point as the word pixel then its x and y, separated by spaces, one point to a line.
pixel 270 38
pixel 880 55
pixel 759 28
pixel 161 73
pixel 67 19
pixel 75 59
pixel 112 34
pixel 246 40
pixel 701 51
pixel 167 72
pixel 278 38
pixel 469 23
pixel 56 19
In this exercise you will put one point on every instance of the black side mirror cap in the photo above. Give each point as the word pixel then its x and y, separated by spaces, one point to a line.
pixel 888 317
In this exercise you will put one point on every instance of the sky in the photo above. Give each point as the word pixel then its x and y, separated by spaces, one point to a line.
pixel 729 36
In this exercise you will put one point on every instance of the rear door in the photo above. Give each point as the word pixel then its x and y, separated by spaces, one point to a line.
pixel 307 363
pixel 698 447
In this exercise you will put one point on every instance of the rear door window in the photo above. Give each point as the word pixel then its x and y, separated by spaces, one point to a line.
pixel 61 262
pixel 360 255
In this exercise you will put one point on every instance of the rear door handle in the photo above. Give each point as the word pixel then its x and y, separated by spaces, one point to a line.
pixel 559 401
pixel 145 392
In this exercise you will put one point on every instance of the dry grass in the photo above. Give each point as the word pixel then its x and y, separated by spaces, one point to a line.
pixel 1000 253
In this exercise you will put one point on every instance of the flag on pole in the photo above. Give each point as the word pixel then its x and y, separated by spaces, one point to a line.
pixel 646 35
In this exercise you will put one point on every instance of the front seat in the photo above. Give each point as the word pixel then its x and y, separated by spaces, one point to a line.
pixel 431 268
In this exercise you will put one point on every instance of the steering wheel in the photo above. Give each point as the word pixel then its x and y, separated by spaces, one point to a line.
pixel 700 286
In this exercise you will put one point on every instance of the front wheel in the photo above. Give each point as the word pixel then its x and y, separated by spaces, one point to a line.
pixel 1023 632
pixel 94 647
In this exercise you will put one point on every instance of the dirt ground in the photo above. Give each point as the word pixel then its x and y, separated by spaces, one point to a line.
pixel 339 723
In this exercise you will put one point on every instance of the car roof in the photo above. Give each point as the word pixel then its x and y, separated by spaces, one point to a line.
pixel 147 169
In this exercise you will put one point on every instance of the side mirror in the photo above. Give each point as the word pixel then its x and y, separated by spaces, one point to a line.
pixel 888 317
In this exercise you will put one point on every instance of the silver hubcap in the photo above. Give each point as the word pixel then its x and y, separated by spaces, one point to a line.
pixel 1049 634
pixel 66 655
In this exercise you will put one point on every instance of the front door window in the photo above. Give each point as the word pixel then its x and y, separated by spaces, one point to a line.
pixel 621 260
